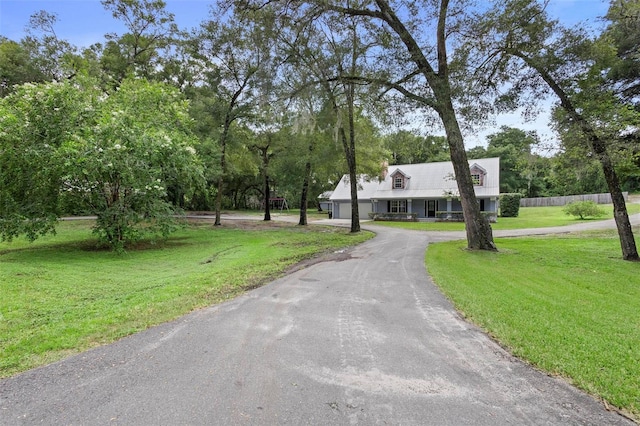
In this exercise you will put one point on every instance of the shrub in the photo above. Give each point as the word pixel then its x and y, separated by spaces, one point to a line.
pixel 510 204
pixel 394 217
pixel 121 157
pixel 584 209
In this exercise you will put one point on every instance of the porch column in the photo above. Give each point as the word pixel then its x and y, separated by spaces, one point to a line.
pixel 449 208
pixel 409 205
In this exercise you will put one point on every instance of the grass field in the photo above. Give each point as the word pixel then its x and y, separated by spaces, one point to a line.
pixel 529 217
pixel 567 304
pixel 62 295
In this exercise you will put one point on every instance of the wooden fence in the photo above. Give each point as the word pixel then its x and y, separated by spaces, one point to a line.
pixel 561 201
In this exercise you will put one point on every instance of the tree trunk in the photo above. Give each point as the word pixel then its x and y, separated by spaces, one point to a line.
pixel 305 187
pixel 350 147
pixel 305 194
pixel 355 212
pixel 479 232
pixel 267 193
pixel 223 171
pixel 353 180
pixel 621 217
pixel 264 152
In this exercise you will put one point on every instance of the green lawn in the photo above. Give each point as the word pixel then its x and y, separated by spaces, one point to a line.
pixel 61 295
pixel 529 217
pixel 567 304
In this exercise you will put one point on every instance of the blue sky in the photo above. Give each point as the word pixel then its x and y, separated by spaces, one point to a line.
pixel 84 22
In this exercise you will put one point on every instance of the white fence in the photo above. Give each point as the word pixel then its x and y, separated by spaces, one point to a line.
pixel 561 201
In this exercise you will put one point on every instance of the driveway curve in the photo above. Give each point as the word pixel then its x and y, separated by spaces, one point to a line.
pixel 364 340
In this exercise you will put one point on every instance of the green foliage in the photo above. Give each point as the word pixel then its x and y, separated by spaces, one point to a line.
pixel 583 209
pixel 510 204
pixel 123 167
pixel 137 52
pixel 116 156
pixel 409 148
pixel 35 121
pixel 53 57
pixel 520 169
pixel 574 171
pixel 16 66
pixel 624 33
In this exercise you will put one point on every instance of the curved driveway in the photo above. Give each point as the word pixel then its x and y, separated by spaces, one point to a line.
pixel 364 339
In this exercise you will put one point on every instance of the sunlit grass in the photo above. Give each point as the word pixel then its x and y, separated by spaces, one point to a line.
pixel 61 295
pixel 568 305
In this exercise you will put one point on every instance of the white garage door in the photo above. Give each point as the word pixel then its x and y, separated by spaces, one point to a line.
pixel 344 210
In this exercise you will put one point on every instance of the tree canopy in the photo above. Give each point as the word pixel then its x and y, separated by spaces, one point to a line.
pixel 118 156
pixel 287 97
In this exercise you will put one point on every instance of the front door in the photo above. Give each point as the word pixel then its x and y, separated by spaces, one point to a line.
pixel 431 208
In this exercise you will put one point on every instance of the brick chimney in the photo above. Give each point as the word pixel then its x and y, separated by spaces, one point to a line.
pixel 385 170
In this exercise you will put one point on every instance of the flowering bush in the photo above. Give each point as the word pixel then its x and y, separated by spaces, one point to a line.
pixel 116 160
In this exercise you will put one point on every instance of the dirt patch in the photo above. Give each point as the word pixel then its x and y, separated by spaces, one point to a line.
pixel 249 225
pixel 333 256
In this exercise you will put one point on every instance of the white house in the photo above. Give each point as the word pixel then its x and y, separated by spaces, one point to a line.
pixel 426 190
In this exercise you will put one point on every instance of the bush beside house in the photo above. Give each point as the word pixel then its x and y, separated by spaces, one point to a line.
pixel 510 204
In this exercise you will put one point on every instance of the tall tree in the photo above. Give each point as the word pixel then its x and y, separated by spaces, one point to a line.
pixel 565 62
pixel 137 52
pixel 413 41
pixel 410 148
pixel 519 171
pixel 326 55
pixel 624 33
pixel 16 66
pixel 36 120
pixel 623 78
pixel 305 130
pixel 265 144
pixel 52 55
pixel 235 54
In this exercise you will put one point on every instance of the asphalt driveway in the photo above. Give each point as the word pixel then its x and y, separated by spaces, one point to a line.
pixel 364 339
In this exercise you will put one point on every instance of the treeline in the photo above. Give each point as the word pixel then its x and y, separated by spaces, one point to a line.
pixel 285 98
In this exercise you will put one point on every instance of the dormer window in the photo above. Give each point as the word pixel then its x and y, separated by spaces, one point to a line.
pixel 478 175
pixel 398 182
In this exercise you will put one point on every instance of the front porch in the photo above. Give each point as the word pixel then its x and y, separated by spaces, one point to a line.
pixel 428 210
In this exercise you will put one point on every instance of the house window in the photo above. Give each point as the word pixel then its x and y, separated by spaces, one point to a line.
pixel 398 206
pixel 398 182
pixel 475 178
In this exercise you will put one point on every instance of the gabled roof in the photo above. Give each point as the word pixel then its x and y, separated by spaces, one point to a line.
pixel 399 171
pixel 366 188
pixel 428 180
pixel 478 167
